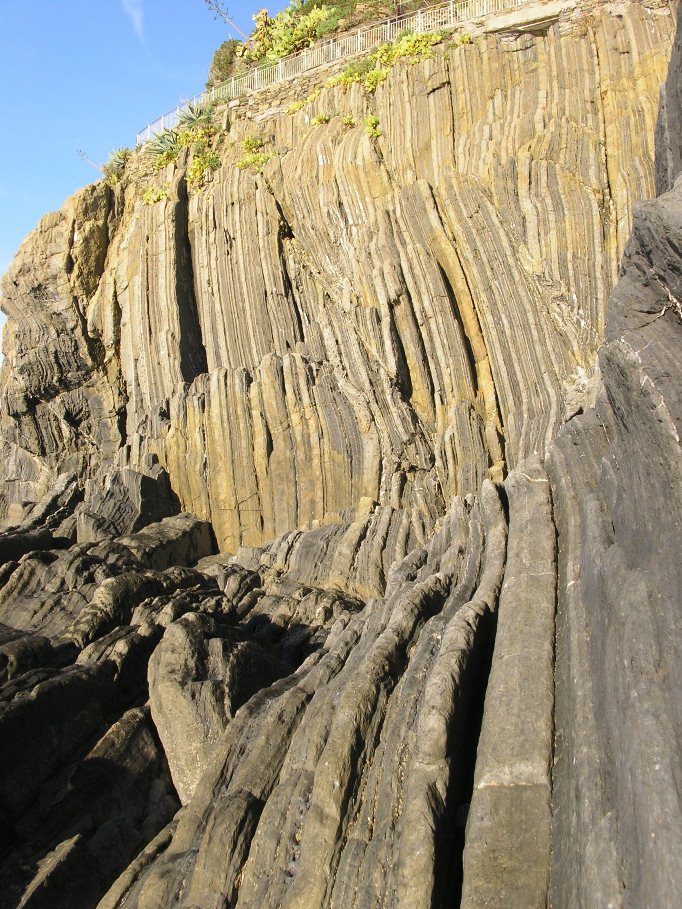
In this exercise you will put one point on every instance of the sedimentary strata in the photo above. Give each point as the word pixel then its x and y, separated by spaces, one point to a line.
pixel 342 500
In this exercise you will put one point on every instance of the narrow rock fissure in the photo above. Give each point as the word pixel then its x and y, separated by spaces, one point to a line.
pixel 193 361
pixel 285 232
pixel 464 737
pixel 466 343
pixel 560 584
pixel 403 376
pixel 607 229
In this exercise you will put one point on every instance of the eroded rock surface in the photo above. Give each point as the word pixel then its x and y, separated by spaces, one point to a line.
pixel 617 474
pixel 341 553
pixel 368 322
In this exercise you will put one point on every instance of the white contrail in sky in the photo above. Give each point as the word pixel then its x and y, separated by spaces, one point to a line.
pixel 134 10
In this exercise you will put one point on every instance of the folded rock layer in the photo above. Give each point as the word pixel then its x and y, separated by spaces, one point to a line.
pixel 342 495
pixel 369 321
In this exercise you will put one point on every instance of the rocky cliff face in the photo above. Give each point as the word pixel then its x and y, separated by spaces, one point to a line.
pixel 341 562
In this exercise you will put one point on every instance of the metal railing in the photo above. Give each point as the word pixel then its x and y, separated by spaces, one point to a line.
pixel 431 19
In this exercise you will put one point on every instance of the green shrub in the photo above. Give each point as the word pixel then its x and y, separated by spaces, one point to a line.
pixel 330 24
pixel 372 70
pixel 154 194
pixel 199 134
pixel 372 126
pixel 298 105
pixel 201 162
pixel 458 40
pixel 356 71
pixel 290 30
pixel 410 46
pixel 348 121
pixel 342 9
pixel 320 118
pixel 252 144
pixel 358 68
pixel 294 30
pixel 375 77
pixel 364 71
pixel 255 161
pixel 224 64
pixel 165 158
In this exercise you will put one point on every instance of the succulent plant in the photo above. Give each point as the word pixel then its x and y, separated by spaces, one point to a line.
pixel 193 115
pixel 113 169
pixel 163 142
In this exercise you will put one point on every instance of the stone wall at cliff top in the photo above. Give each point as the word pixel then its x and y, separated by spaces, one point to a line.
pixel 370 322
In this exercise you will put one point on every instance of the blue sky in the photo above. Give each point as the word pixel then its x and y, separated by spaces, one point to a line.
pixel 88 74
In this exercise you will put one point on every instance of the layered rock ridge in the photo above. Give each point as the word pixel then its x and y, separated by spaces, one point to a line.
pixel 301 470
pixel 343 330
pixel 617 492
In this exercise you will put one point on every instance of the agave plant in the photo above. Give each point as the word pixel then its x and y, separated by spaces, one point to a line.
pixel 115 166
pixel 118 157
pixel 193 115
pixel 163 142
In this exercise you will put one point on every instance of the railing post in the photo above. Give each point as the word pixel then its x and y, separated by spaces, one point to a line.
pixel 452 12
pixel 357 43
pixel 232 87
pixel 280 70
pixel 305 58
pixel 419 21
